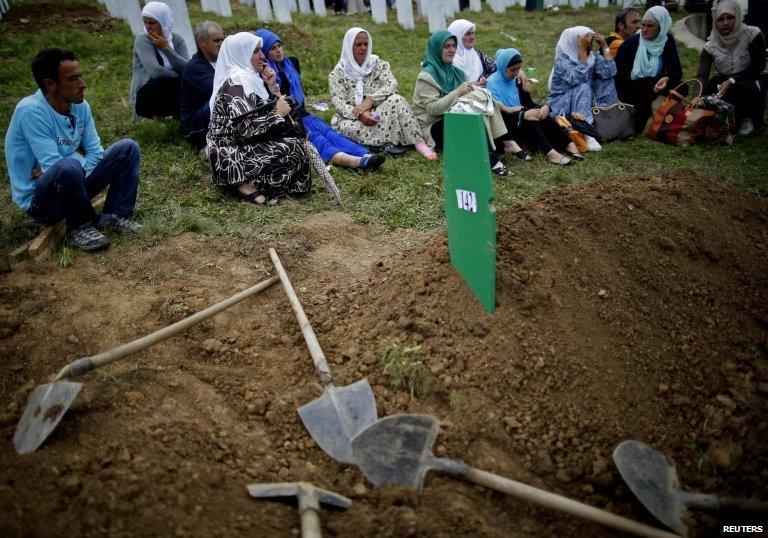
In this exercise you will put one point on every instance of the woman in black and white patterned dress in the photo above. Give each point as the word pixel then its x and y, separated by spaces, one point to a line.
pixel 262 156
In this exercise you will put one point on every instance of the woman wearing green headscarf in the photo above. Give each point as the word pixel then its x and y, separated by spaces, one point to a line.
pixel 438 87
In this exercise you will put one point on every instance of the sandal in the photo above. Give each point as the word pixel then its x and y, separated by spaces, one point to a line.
pixel 523 156
pixel 564 161
pixel 501 170
pixel 253 198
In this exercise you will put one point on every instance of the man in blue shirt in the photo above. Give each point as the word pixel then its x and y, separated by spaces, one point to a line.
pixel 56 162
pixel 197 83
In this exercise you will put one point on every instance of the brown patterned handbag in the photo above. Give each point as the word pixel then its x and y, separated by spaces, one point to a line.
pixel 676 120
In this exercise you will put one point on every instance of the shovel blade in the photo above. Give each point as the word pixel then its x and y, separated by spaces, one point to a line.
pixel 45 408
pixel 337 416
pixel 653 481
pixel 396 450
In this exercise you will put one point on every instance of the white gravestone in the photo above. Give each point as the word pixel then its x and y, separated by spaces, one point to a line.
pixel 282 12
pixel 319 6
pixel 405 14
pixel 263 10
pixel 475 5
pixel 220 7
pixel 379 11
pixel 435 15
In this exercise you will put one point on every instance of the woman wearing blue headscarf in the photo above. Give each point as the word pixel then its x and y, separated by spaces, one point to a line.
pixel 331 146
pixel 526 122
pixel 647 64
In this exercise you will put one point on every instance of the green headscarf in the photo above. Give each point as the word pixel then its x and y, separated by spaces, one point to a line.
pixel 445 74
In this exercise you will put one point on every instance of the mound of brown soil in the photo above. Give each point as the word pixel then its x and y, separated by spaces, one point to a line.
pixel 626 309
pixel 27 18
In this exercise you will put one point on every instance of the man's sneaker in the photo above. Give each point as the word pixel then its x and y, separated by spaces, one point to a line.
pixel 747 128
pixel 88 238
pixel 116 223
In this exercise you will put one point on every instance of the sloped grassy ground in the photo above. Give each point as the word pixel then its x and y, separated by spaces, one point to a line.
pixel 175 192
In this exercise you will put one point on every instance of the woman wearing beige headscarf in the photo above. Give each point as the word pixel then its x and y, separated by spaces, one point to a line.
pixel 366 96
pixel 737 52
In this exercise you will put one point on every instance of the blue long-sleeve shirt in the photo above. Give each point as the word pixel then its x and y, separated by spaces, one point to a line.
pixel 38 137
pixel 575 85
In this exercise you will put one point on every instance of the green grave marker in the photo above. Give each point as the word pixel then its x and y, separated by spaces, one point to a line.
pixel 469 212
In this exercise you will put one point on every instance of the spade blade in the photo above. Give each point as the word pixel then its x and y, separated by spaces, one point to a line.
pixel 46 405
pixel 338 415
pixel 397 450
pixel 653 481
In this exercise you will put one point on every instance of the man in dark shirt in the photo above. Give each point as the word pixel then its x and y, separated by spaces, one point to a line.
pixel 197 83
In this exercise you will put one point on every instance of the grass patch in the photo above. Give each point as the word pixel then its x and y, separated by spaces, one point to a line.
pixel 405 370
pixel 176 195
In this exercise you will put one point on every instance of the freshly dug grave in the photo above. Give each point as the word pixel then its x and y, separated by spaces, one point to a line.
pixel 632 308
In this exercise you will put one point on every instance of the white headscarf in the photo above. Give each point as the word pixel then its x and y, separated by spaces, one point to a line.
pixel 468 60
pixel 350 67
pixel 730 53
pixel 162 14
pixel 568 44
pixel 234 62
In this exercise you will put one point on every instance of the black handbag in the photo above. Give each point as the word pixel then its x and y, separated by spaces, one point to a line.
pixel 614 122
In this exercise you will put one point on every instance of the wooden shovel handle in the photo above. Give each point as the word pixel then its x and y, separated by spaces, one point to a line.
pixel 321 365
pixel 545 498
pixel 87 364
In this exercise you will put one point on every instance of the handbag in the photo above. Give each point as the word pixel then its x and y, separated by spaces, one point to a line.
pixel 676 120
pixel 614 122
pixel 576 137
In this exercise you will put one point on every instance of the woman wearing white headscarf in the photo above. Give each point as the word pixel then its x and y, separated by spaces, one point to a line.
pixel 737 52
pixel 369 107
pixel 159 57
pixel 647 64
pixel 476 65
pixel 259 157
pixel 581 76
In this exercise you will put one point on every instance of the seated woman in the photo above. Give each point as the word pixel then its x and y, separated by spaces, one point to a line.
pixel 581 77
pixel 647 64
pixel 331 145
pixel 438 87
pixel 159 58
pixel 369 109
pixel 476 65
pixel 526 121
pixel 258 157
pixel 737 52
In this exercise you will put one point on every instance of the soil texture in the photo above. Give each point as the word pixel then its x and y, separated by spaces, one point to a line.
pixel 626 309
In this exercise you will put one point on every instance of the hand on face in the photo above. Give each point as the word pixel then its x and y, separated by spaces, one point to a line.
pixel 268 75
pixel 585 42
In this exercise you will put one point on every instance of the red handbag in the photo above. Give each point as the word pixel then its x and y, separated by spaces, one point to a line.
pixel 676 120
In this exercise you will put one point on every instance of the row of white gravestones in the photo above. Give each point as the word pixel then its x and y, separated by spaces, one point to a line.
pixel 130 12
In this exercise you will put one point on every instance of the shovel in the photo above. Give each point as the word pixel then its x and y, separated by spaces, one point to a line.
pixel 340 413
pixel 398 450
pixel 48 403
pixel 654 482
pixel 309 497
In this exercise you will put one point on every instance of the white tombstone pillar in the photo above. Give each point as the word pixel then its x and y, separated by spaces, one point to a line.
pixel 130 12
pixel 304 6
pixel 405 14
pixel 282 12
pixel 435 15
pixel 263 10
pixel 319 6
pixel 379 11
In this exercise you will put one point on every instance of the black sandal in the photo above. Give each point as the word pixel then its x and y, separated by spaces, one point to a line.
pixel 253 198
pixel 523 156
pixel 501 170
